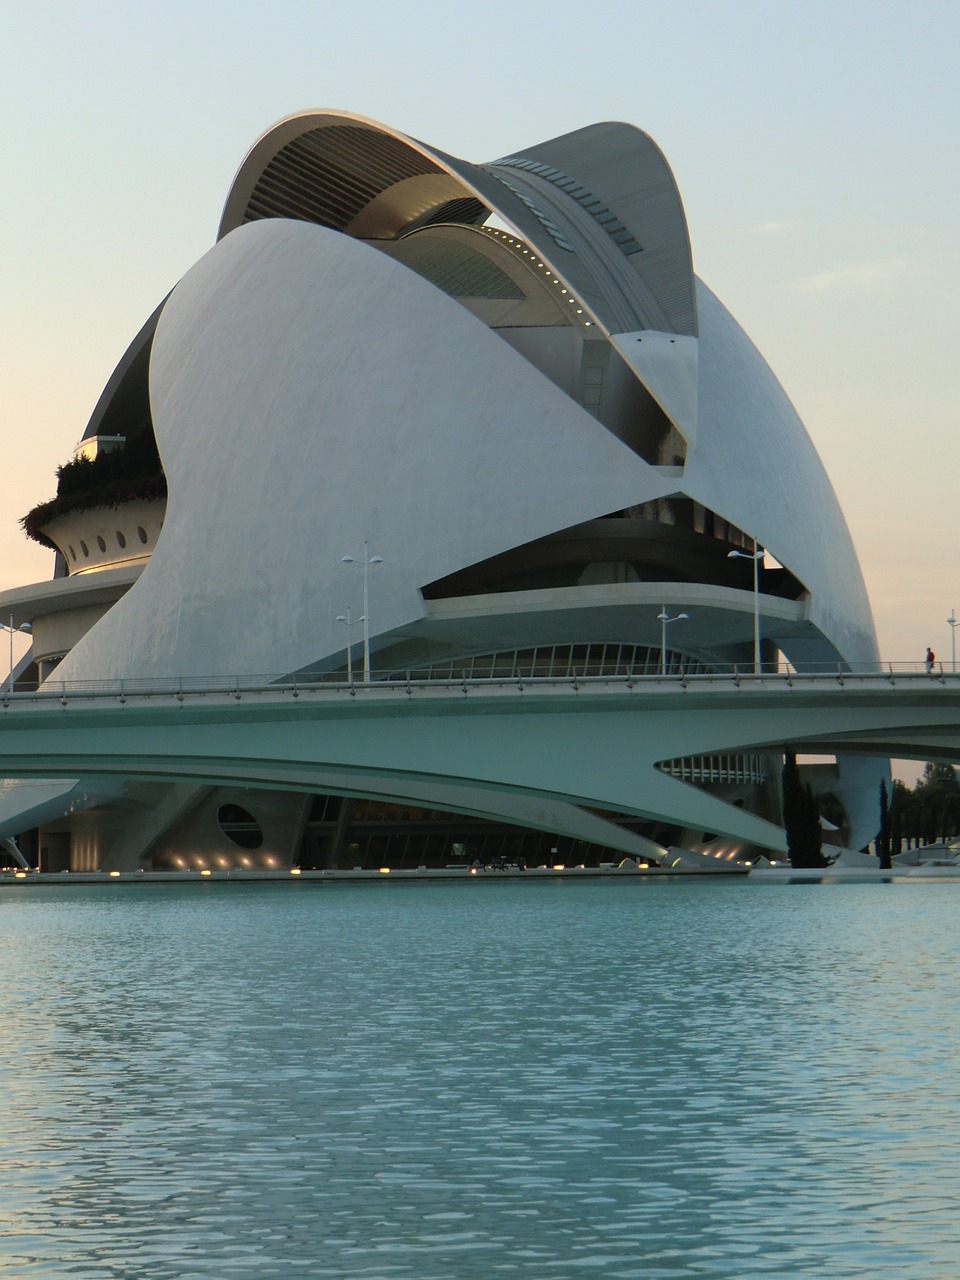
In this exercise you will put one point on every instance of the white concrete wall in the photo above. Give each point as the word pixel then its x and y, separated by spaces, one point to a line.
pixel 309 393
pixel 755 465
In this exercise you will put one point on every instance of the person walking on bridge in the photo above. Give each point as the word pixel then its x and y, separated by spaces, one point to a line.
pixel 929 660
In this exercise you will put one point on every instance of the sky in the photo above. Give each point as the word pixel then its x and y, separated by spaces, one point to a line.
pixel 815 147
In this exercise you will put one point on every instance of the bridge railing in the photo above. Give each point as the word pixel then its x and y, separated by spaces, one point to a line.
pixel 450 676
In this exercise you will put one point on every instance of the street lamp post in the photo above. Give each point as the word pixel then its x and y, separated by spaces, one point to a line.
pixel 366 562
pixel 348 623
pixel 9 627
pixel 663 618
pixel 756 557
pixel 953 622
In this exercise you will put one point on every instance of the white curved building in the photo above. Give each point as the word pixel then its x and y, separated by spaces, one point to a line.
pixel 502 379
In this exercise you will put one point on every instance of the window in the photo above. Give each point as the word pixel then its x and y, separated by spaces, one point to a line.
pixel 239 826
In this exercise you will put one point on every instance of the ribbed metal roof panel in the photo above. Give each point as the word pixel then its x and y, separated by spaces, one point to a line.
pixel 327 175
pixel 626 173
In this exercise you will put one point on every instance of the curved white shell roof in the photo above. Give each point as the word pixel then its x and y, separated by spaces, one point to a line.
pixel 308 394
pixel 600 204
pixel 755 463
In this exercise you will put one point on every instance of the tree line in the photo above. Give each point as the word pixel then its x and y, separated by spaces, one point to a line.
pixel 928 813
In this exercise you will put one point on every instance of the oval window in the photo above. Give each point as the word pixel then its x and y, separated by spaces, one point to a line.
pixel 84 548
pixel 239 826
pixel 121 539
pixel 73 554
pixel 141 533
pixel 100 543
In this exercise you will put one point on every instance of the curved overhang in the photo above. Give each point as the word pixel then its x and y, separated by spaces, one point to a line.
pixel 624 254
pixel 619 176
pixel 614 228
pixel 345 172
pixel 125 397
pixel 62 611
pixel 61 595
pixel 622 612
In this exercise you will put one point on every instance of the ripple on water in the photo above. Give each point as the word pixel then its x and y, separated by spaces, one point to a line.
pixel 658 1080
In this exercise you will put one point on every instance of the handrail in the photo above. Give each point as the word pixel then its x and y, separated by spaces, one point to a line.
pixel 181 688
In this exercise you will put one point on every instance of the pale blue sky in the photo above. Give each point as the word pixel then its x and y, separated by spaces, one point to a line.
pixel 815 146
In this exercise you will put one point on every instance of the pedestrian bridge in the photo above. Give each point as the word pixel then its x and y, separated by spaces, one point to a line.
pixel 541 752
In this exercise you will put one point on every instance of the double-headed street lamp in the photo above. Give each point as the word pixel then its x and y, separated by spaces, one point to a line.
pixel 756 557
pixel 24 627
pixel 349 622
pixel 663 618
pixel 367 561
pixel 953 622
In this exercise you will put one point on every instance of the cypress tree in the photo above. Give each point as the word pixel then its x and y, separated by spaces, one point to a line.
pixel 801 818
pixel 791 805
pixel 813 832
pixel 897 801
pixel 883 835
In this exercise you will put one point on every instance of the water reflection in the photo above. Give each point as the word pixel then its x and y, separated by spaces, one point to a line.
pixel 435 1080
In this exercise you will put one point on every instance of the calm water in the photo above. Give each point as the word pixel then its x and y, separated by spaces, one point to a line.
pixel 660 1079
